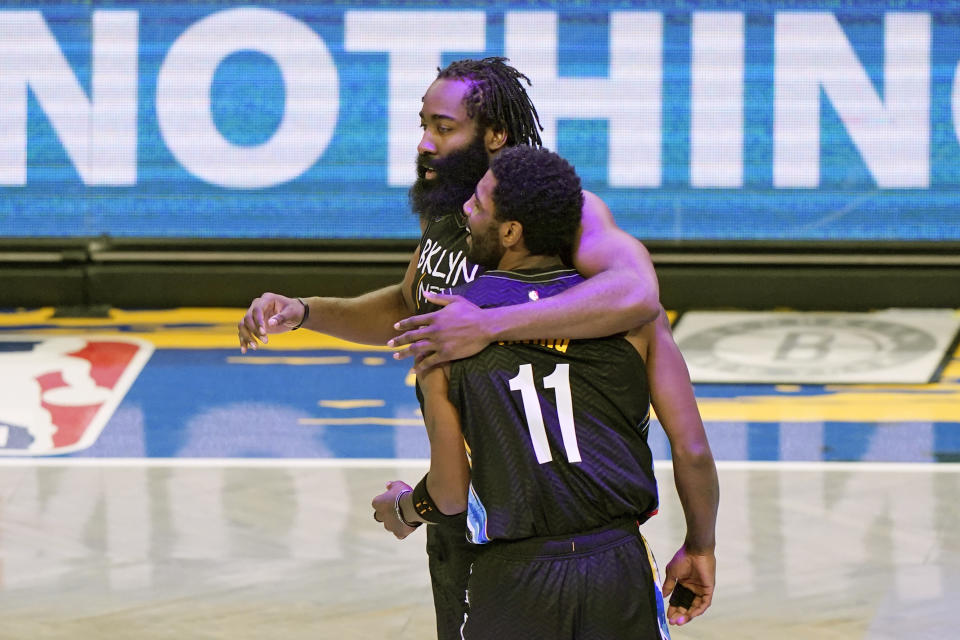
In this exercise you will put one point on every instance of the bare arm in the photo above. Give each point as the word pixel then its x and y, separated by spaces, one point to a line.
pixel 366 319
pixel 448 479
pixel 694 471
pixel 620 281
pixel 620 293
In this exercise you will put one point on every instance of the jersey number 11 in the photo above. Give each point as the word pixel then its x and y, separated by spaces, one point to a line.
pixel 559 381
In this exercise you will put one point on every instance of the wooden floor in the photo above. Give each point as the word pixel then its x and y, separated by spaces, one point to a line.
pixel 172 549
pixel 216 506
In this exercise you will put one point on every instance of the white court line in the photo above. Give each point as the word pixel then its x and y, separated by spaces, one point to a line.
pixel 363 463
pixel 216 462
pixel 793 465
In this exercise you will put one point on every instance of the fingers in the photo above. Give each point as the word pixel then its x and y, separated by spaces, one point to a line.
pixel 700 605
pixel 257 314
pixel 382 507
pixel 426 363
pixel 278 311
pixel 251 328
pixel 288 316
pixel 417 350
pixel 247 337
pixel 680 616
pixel 669 582
pixel 425 356
pixel 677 616
pixel 441 299
pixel 422 320
pixel 410 337
pixel 408 327
pixel 683 612
pixel 384 513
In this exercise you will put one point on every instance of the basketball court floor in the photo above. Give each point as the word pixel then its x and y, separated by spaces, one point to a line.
pixel 154 483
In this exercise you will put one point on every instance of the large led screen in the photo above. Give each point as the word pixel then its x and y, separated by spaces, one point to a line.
pixel 694 121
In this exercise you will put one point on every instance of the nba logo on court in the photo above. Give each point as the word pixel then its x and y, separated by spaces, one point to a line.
pixel 58 392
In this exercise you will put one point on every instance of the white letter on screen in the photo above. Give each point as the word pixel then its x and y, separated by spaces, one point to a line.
pixel 892 134
pixel 716 100
pixel 630 99
pixel 415 42
pixel 310 112
pixel 99 135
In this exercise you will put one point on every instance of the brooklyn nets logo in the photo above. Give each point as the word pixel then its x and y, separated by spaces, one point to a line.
pixel 812 347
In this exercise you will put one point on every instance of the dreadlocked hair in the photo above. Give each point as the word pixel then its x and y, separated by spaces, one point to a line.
pixel 498 99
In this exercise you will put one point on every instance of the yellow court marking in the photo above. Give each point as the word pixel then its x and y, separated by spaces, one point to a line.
pixel 216 328
pixel 392 422
pixel 847 406
pixel 351 404
pixel 951 372
pixel 290 360
pixel 184 328
pixel 788 388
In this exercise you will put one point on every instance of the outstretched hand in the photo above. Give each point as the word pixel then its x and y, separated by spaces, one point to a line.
pixel 270 313
pixel 697 572
pixel 458 330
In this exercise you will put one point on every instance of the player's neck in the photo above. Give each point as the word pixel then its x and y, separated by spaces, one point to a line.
pixel 512 262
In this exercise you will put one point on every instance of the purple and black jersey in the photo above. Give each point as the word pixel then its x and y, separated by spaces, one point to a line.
pixel 555 429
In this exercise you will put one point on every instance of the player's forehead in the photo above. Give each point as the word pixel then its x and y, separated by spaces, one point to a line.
pixel 486 186
pixel 445 99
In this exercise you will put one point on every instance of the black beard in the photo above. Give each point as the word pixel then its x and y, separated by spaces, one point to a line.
pixel 484 248
pixel 456 179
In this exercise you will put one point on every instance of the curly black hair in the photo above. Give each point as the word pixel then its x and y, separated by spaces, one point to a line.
pixel 497 98
pixel 541 191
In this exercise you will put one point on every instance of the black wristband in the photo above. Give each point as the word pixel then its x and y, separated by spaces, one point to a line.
pixel 306 314
pixel 426 508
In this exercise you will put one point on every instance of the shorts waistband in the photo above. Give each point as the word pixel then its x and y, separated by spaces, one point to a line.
pixel 583 542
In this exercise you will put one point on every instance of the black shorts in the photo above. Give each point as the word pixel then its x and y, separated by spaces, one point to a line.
pixel 599 585
pixel 450 557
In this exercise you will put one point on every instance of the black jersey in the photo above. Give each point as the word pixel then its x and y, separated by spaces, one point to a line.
pixel 555 429
pixel 443 261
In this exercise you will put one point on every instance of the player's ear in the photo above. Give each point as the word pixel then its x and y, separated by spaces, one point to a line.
pixel 495 139
pixel 511 233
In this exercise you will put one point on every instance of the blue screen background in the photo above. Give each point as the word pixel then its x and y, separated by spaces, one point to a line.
pixel 346 194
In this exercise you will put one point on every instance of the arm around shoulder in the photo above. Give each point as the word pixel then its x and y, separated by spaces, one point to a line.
pixel 603 248
pixel 620 291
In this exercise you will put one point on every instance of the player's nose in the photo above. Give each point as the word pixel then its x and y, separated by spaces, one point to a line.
pixel 426 145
